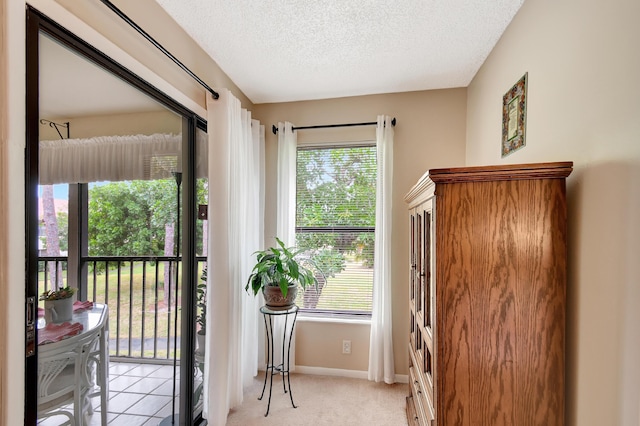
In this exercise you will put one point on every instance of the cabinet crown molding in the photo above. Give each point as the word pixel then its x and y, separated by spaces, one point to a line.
pixel 418 191
pixel 558 170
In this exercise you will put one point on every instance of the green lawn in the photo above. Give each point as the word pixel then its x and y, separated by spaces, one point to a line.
pixel 345 290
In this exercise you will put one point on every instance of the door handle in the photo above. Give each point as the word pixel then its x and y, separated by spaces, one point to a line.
pixel 31 311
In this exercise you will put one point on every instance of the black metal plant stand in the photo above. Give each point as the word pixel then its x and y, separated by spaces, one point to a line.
pixel 282 368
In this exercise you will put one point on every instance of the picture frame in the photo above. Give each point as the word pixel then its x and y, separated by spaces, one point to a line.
pixel 514 117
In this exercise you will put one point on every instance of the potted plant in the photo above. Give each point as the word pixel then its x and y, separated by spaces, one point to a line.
pixel 278 274
pixel 201 320
pixel 58 304
pixel 201 317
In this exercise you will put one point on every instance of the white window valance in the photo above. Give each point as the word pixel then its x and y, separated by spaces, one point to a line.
pixel 116 158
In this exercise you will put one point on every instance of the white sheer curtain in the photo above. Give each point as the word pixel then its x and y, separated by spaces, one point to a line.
pixel 286 215
pixel 114 158
pixel 286 219
pixel 381 364
pixel 258 135
pixel 236 207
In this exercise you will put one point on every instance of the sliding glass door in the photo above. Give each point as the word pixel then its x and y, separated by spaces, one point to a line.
pixel 112 200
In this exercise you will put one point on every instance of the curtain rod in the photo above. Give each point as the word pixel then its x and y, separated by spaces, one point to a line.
pixel 55 126
pixel 142 32
pixel 274 128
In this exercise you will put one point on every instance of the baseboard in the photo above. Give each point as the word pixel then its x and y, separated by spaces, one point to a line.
pixel 338 372
pixel 402 378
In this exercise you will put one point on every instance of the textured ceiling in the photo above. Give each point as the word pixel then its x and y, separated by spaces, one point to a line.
pixel 287 50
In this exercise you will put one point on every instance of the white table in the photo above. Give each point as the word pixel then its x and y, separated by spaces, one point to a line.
pixel 94 320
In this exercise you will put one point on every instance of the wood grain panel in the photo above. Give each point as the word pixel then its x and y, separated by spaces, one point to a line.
pixel 453 303
pixel 541 302
pixel 494 313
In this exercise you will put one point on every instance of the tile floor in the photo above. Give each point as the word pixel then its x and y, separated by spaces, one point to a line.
pixel 139 394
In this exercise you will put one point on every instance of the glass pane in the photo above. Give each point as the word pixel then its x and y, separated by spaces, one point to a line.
pixel 345 280
pixel 336 187
pixel 53 236
pixel 202 229
pixel 115 154
pixel 335 226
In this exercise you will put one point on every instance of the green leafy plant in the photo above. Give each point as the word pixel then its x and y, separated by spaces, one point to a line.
pixel 58 294
pixel 278 267
pixel 201 294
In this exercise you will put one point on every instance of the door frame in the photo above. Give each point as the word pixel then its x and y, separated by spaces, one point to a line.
pixel 37 23
pixel 4 205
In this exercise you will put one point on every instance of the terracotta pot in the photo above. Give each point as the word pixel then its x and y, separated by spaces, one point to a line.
pixel 274 300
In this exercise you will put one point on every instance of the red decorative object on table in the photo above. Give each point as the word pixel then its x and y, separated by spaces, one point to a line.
pixel 79 306
pixel 56 332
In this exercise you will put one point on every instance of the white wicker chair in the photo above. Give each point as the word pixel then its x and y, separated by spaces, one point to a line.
pixel 97 372
pixel 65 378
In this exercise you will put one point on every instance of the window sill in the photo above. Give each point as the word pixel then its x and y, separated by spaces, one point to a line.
pixel 333 320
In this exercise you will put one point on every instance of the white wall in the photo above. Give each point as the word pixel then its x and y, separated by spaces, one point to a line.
pixel 583 60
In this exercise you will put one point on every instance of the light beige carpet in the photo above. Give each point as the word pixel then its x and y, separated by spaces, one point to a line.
pixel 323 400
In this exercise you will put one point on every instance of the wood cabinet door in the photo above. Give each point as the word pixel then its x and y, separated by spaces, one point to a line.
pixel 501 270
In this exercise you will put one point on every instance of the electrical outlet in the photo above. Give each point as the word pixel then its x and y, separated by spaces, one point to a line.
pixel 346 346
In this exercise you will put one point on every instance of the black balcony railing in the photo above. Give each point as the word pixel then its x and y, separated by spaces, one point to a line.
pixel 141 294
pixel 52 272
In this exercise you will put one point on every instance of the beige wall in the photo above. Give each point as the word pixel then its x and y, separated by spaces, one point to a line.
pixel 155 21
pixel 430 133
pixel 141 123
pixel 583 62
pixel 3 208
pixel 319 345
pixel 13 235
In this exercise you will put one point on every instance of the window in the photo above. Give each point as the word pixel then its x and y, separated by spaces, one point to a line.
pixel 335 225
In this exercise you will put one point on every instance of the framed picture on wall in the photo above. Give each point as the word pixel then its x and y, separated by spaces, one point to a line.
pixel 514 117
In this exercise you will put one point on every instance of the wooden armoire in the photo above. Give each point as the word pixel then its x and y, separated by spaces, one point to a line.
pixel 488 256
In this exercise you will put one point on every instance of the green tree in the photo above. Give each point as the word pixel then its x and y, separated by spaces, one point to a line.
pixel 336 187
pixel 63 230
pixel 129 218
